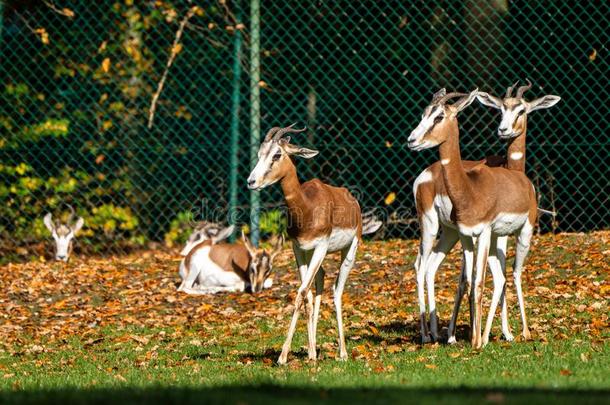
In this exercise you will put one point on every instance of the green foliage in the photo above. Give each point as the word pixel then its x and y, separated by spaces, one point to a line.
pixel 273 222
pixel 179 229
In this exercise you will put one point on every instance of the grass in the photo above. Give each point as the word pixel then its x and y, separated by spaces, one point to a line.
pixel 125 336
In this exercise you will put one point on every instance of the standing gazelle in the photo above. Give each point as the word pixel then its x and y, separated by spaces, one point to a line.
pixel 433 207
pixel 63 233
pixel 321 219
pixel 487 202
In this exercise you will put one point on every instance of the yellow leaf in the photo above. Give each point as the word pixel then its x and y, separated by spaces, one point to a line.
pixel 106 65
pixel 388 144
pixel 431 366
pixel 67 12
pixel 176 49
pixel 593 55
pixel 262 84
pixel 390 198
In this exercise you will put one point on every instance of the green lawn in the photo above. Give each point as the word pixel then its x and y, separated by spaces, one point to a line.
pixel 109 331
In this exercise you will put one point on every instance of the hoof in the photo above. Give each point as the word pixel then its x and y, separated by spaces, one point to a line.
pixel 435 338
pixel 282 360
pixel 509 337
pixel 527 335
pixel 342 356
pixel 426 339
pixel 451 340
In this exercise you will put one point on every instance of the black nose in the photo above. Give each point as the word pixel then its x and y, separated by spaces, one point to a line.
pixel 502 131
pixel 251 183
pixel 61 257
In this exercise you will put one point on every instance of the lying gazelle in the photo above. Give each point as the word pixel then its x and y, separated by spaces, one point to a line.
pixel 487 202
pixel 63 233
pixel 228 267
pixel 321 219
pixel 434 207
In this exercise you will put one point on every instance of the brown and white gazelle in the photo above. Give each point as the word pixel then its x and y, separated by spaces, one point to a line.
pixel 321 219
pixel 487 202
pixel 513 127
pixel 63 233
pixel 228 267
pixel 432 201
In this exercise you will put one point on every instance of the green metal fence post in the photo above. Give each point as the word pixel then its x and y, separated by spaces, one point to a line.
pixel 235 100
pixel 255 112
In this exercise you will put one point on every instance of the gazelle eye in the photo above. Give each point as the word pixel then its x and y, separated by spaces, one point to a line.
pixel 438 119
pixel 520 113
pixel 277 156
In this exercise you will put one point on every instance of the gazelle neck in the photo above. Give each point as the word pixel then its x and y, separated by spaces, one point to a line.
pixel 295 200
pixel 516 150
pixel 454 176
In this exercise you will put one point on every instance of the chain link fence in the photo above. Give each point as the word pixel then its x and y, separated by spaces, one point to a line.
pixel 79 79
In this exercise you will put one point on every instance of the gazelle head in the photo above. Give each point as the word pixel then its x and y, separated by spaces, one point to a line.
pixel 274 157
pixel 205 231
pixel 261 263
pixel 515 109
pixel 437 119
pixel 63 233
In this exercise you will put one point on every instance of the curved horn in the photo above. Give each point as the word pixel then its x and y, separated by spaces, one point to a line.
pixel 287 130
pixel 523 89
pixel 270 133
pixel 510 89
pixel 72 213
pixel 448 96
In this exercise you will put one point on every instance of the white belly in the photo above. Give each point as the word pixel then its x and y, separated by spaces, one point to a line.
pixel 508 224
pixel 212 275
pixel 340 238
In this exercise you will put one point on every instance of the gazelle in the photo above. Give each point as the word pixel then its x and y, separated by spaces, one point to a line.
pixel 487 202
pixel 430 206
pixel 513 127
pixel 63 233
pixel 229 267
pixel 321 219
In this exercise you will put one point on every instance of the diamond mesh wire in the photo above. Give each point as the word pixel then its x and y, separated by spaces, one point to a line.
pixel 78 79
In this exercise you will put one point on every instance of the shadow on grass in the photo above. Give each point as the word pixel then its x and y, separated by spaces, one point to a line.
pixel 266 394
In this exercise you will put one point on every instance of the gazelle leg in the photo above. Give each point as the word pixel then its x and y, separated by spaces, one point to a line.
pixel 302 258
pixel 314 264
pixel 319 286
pixel 501 244
pixel 348 257
pixel 521 250
pixel 478 285
pixel 499 285
pixel 447 240
pixel 464 283
pixel 187 283
pixel 429 229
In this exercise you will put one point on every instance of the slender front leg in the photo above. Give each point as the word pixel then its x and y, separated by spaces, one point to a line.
pixel 499 285
pixel 523 246
pixel 464 283
pixel 302 258
pixel 501 256
pixel 312 269
pixel 348 257
pixel 447 240
pixel 429 228
pixel 319 285
pixel 484 240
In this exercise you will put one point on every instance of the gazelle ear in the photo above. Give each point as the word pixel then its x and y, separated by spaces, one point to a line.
pixel 542 102
pixel 464 101
pixel 48 222
pixel 489 100
pixel 78 225
pixel 249 246
pixel 297 150
pixel 223 234
pixel 279 244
